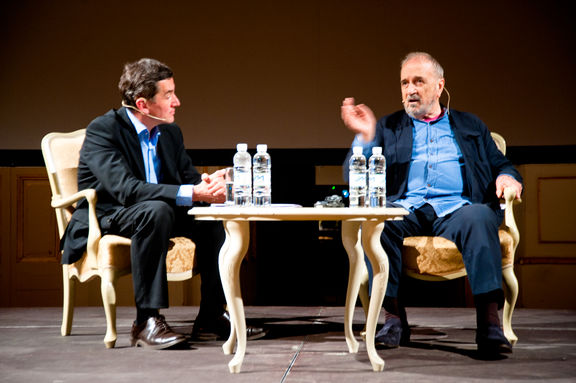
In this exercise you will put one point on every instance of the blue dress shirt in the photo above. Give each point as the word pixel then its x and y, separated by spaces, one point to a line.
pixel 435 175
pixel 148 144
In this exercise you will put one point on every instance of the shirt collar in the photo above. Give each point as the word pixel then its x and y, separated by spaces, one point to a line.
pixel 138 125
pixel 442 115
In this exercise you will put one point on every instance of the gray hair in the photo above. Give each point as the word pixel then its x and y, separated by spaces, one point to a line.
pixel 423 55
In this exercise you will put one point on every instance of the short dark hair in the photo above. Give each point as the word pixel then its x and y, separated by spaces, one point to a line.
pixel 139 79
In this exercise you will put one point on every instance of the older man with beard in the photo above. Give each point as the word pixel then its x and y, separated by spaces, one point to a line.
pixel 444 168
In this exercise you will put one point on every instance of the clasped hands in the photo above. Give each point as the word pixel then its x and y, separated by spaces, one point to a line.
pixel 212 189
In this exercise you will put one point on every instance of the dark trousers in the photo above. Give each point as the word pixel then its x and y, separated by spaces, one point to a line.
pixel 474 230
pixel 150 225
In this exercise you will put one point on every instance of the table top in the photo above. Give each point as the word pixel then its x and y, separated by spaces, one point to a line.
pixel 295 213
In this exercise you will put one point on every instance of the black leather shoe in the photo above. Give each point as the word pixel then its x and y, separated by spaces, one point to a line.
pixel 393 334
pixel 155 334
pixel 219 329
pixel 491 341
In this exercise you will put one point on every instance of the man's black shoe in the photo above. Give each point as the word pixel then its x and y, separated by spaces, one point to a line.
pixel 219 329
pixel 155 334
pixel 393 334
pixel 491 341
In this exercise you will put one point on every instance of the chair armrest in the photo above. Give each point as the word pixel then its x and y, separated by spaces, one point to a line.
pixel 510 195
pixel 94 233
pixel 89 194
pixel 509 221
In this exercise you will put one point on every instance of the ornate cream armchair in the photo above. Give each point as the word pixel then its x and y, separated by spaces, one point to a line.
pixel 438 259
pixel 108 256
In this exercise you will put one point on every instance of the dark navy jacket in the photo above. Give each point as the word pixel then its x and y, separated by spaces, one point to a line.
pixel 111 162
pixel 483 162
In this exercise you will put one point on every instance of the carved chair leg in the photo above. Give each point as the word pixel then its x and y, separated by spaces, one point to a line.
pixel 107 287
pixel 69 290
pixel 511 295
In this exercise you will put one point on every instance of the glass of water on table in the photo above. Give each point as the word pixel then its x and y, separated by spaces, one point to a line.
pixel 229 179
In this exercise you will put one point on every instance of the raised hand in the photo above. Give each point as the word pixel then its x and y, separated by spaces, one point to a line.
pixel 358 118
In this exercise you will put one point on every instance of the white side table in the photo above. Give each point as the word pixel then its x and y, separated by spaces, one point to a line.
pixel 355 242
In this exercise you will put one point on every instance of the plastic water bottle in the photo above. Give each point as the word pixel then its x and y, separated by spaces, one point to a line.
pixel 242 176
pixel 377 178
pixel 262 176
pixel 357 178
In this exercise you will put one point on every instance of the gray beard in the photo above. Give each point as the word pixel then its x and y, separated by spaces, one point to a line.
pixel 410 111
pixel 422 110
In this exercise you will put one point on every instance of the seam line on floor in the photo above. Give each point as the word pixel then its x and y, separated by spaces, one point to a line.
pixel 293 361
pixel 287 372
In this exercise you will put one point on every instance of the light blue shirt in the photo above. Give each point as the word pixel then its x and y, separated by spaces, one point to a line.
pixel 435 175
pixel 148 144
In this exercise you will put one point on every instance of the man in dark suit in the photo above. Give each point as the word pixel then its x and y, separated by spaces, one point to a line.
pixel 135 159
pixel 442 166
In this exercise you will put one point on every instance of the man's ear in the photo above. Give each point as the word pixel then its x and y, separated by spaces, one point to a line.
pixel 142 104
pixel 441 84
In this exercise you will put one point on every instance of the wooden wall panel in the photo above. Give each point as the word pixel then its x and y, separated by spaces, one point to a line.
pixel 547 251
pixel 549 286
pixel 5 235
pixel 30 270
pixel 34 261
pixel 30 273
pixel 549 211
pixel 34 218
pixel 329 175
pixel 557 210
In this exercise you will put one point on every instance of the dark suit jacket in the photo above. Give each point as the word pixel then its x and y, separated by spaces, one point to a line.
pixel 483 162
pixel 111 162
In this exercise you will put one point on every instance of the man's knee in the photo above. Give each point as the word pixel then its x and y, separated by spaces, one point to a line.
pixel 209 234
pixel 478 212
pixel 158 213
pixel 478 217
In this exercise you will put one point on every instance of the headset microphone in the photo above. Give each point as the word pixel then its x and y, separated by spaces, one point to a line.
pixel 447 103
pixel 141 112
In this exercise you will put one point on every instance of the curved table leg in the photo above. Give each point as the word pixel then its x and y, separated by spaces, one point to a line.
pixel 353 246
pixel 371 241
pixel 230 259
pixel 228 346
pixel 364 296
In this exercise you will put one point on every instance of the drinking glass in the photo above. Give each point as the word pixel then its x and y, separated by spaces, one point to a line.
pixel 229 178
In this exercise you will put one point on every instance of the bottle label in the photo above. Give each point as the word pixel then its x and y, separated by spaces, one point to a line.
pixel 261 179
pixel 357 179
pixel 242 178
pixel 377 180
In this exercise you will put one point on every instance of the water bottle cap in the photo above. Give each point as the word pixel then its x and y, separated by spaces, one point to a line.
pixel 357 150
pixel 242 147
pixel 261 148
pixel 377 150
